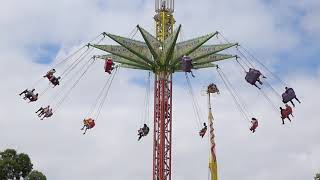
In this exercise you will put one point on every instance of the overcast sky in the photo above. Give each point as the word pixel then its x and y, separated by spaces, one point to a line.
pixel 284 35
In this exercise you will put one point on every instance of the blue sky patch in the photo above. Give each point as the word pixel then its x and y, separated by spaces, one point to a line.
pixel 44 53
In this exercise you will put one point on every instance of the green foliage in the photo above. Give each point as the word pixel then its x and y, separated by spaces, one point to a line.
pixel 15 166
pixel 36 175
pixel 317 177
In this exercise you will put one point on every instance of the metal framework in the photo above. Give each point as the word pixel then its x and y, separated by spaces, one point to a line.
pixel 164 19
pixel 161 55
pixel 162 135
pixel 162 126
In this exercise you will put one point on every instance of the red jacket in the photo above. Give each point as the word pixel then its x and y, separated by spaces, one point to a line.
pixel 286 112
pixel 108 65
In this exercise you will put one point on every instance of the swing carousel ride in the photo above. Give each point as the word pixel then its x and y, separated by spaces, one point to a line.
pixel 161 55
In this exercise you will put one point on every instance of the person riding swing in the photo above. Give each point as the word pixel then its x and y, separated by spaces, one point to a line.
pixel 254 125
pixel 253 76
pixel 88 124
pixel 27 93
pixel 285 113
pixel 42 110
pixel 289 95
pixel 47 114
pixel 49 74
pixel 143 131
pixel 203 131
pixel 109 65
pixel 55 81
pixel 186 64
pixel 33 98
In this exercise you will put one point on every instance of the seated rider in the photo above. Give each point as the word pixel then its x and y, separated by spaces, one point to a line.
pixel 88 124
pixel 254 125
pixel 34 97
pixel 203 131
pixel 55 80
pixel 143 131
pixel 285 113
pixel 47 114
pixel 187 65
pixel 288 91
pixel 27 93
pixel 256 72
pixel 289 110
pixel 42 110
pixel 50 74
pixel 109 66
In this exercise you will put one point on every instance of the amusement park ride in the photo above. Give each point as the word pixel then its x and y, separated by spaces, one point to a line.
pixel 163 56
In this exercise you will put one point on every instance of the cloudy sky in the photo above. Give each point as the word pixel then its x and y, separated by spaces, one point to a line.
pixel 284 35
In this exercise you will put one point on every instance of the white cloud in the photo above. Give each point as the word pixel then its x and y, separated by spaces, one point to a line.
pixel 111 151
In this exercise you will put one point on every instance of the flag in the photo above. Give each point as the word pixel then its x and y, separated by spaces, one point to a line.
pixel 212 160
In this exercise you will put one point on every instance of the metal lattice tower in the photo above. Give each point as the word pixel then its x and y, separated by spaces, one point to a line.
pixel 164 18
pixel 162 136
pixel 161 55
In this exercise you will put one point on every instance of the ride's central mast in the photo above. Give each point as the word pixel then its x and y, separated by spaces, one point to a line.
pixel 164 18
pixel 163 97
pixel 162 55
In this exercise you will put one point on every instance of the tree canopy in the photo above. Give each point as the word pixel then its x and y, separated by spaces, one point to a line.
pixel 16 166
pixel 36 175
pixel 317 177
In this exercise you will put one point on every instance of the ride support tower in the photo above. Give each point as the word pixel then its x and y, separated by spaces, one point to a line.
pixel 163 55
pixel 162 136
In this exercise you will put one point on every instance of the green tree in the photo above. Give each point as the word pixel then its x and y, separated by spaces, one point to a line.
pixel 14 166
pixel 36 175
pixel 317 177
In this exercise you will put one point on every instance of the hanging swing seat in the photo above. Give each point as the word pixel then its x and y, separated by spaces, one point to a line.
pixel 186 64
pixel 288 95
pixel 255 124
pixel 144 131
pixel 286 112
pixel 252 76
pixel 89 123
pixel 108 65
